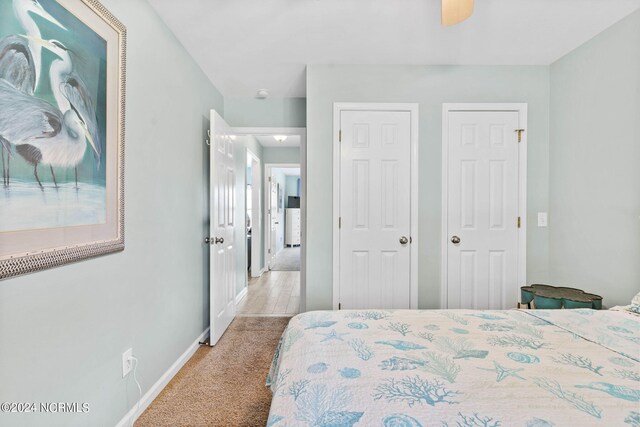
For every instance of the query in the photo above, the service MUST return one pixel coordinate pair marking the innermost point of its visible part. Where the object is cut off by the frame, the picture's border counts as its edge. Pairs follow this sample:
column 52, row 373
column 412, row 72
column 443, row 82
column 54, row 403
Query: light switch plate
column 542, row 219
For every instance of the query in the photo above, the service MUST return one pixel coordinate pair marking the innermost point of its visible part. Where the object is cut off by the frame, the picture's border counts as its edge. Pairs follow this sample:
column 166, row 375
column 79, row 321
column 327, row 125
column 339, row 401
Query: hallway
column 275, row 293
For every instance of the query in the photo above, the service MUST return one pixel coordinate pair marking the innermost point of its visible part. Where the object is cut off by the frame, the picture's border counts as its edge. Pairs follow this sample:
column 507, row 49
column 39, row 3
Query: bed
column 457, row 368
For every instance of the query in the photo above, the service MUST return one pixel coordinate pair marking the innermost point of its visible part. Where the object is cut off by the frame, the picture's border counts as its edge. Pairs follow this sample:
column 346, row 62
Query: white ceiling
column 245, row 45
column 270, row 141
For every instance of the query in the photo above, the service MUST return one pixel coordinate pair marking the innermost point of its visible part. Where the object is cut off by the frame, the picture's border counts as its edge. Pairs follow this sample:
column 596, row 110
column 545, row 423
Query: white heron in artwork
column 40, row 131
column 71, row 94
column 72, row 97
column 17, row 69
column 25, row 11
column 21, row 61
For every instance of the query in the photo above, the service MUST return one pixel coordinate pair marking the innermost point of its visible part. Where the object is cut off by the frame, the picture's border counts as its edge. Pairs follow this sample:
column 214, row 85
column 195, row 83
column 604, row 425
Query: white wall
column 594, row 220
column 63, row 331
column 430, row 86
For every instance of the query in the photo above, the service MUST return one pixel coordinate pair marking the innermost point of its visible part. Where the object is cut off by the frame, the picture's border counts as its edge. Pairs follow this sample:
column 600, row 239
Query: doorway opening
column 283, row 217
column 253, row 216
column 275, row 200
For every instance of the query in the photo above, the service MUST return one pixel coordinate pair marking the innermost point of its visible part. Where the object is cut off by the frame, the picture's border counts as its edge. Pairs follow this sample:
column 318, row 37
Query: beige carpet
column 222, row 385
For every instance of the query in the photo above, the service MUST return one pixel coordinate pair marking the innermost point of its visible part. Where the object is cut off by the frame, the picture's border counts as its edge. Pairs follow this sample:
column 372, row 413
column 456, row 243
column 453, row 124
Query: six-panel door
column 482, row 222
column 222, row 256
column 375, row 206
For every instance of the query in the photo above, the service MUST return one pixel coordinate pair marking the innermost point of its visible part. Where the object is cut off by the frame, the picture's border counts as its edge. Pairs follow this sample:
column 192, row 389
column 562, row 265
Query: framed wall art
column 62, row 106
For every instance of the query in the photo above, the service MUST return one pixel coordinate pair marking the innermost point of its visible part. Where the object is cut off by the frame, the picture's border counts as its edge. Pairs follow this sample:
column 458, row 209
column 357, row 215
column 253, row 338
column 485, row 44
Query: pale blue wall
column 289, row 155
column 63, row 331
column 270, row 112
column 291, row 187
column 430, row 86
column 594, row 220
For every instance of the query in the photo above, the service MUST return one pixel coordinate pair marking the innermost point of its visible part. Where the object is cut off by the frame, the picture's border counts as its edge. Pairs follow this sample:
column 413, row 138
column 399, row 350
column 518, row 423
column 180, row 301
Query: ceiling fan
column 456, row 11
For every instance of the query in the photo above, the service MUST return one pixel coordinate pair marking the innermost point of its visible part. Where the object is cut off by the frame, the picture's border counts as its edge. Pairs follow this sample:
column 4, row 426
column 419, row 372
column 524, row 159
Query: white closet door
column 375, row 206
column 482, row 223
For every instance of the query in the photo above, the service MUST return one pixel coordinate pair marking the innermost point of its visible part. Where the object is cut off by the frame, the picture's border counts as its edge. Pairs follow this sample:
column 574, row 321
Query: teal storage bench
column 555, row 297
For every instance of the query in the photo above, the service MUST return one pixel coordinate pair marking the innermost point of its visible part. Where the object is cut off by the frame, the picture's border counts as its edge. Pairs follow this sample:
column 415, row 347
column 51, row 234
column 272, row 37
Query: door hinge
column 340, row 135
column 519, row 134
column 269, row 179
column 339, row 306
column 518, row 222
column 268, row 251
column 340, row 222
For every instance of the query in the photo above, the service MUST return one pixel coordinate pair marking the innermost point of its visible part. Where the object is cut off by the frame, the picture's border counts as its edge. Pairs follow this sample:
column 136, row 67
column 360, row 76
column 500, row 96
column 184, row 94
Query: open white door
column 222, row 205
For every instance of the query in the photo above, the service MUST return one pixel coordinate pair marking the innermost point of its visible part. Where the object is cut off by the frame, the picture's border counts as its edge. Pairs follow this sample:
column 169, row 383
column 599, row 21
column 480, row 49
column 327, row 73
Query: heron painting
column 52, row 107
column 61, row 126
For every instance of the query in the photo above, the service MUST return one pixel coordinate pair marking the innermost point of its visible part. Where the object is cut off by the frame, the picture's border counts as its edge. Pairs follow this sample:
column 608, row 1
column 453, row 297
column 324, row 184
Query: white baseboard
column 155, row 389
column 259, row 273
column 242, row 294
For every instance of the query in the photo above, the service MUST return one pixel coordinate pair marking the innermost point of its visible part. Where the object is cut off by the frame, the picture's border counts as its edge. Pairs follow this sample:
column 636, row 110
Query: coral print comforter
column 458, row 368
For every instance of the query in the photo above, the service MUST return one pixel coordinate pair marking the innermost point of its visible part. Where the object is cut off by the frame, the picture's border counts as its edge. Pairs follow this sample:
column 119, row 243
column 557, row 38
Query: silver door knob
column 455, row 240
column 404, row 240
column 207, row 240
column 219, row 240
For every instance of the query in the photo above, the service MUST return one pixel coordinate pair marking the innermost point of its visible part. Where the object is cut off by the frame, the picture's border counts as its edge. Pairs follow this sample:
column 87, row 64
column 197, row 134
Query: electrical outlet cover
column 127, row 362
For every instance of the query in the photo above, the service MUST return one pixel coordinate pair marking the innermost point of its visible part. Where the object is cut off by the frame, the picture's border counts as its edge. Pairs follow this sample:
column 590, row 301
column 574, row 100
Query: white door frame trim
column 521, row 108
column 267, row 192
column 412, row 108
column 255, row 272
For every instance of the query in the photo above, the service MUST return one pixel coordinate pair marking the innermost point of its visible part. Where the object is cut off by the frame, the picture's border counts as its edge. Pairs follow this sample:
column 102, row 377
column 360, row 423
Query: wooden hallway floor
column 274, row 293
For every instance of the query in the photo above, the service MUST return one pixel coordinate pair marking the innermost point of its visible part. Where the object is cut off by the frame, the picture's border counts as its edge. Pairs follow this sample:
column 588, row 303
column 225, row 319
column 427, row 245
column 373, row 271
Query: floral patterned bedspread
column 457, row 368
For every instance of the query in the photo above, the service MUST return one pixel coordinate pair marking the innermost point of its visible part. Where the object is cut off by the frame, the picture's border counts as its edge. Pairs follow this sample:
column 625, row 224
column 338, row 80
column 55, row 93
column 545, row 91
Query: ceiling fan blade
column 456, row 11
